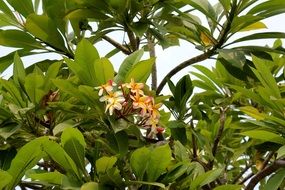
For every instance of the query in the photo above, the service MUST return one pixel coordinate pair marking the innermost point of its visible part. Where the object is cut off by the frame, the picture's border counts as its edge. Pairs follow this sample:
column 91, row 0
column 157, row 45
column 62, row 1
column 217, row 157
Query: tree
column 76, row 123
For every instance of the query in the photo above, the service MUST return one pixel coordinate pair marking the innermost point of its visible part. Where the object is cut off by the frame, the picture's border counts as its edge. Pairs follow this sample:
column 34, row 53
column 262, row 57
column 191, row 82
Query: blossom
column 154, row 109
column 135, row 87
column 113, row 100
column 141, row 102
column 108, row 87
column 152, row 122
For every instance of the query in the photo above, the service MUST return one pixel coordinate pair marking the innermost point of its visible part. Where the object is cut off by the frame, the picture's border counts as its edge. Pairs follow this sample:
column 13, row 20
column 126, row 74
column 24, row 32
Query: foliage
column 77, row 123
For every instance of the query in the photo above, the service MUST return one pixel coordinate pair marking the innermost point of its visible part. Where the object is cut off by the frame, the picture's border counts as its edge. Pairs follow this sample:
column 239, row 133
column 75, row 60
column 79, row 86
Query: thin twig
column 151, row 47
column 194, row 144
column 265, row 172
column 121, row 47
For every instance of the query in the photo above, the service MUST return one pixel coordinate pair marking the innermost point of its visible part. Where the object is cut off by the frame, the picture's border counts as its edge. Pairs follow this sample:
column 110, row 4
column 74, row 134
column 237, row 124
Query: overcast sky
column 168, row 58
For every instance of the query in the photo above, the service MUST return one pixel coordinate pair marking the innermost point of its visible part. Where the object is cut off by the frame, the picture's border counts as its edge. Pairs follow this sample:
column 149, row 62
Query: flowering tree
column 76, row 123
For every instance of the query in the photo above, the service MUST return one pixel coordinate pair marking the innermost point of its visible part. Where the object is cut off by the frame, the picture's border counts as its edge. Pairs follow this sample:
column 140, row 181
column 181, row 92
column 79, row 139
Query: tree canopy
column 78, row 123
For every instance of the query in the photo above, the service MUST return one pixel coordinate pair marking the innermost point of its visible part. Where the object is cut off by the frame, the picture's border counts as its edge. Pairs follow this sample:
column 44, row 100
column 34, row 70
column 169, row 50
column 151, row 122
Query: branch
column 265, row 172
column 236, row 179
column 221, row 40
column 117, row 45
column 151, row 48
column 183, row 65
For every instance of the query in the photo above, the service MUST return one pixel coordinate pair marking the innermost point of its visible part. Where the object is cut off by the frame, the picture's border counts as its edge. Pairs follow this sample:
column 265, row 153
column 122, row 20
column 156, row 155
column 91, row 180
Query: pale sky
column 168, row 58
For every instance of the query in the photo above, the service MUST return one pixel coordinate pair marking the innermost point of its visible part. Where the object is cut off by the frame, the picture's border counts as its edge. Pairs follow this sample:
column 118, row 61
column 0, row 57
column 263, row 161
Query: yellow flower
column 154, row 109
column 152, row 122
column 113, row 100
column 135, row 87
column 141, row 102
column 108, row 87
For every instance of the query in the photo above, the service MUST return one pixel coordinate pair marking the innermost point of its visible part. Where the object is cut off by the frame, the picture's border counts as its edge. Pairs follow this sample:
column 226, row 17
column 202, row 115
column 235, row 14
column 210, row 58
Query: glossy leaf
column 228, row 187
column 44, row 28
column 140, row 71
column 6, row 178
column 19, row 73
column 127, row 65
column 275, row 180
column 254, row 26
column 26, row 158
column 54, row 178
column 18, row 39
column 264, row 136
column 105, row 163
column 281, row 152
column 104, row 71
column 205, row 178
column 74, row 145
column 24, row 7
column 34, row 86
column 139, row 160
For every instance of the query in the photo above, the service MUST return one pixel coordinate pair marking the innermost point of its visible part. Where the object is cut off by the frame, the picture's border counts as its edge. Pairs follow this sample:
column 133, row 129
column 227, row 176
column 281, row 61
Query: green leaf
column 104, row 71
column 183, row 91
column 24, row 7
column 161, row 185
column 264, row 136
column 34, row 87
column 19, row 73
column 178, row 131
column 127, row 65
column 54, row 178
column 236, row 58
column 254, row 26
column 91, row 186
column 157, row 164
column 140, row 71
column 74, row 145
column 139, row 160
column 26, row 158
column 6, row 20
column 281, row 152
column 58, row 154
column 229, row 187
column 105, row 163
column 119, row 141
column 44, row 28
column 85, row 56
column 8, row 128
column 274, row 182
column 6, row 10
column 18, row 39
column 205, row 178
column 253, row 112
column 6, row 158
column 6, row 178
column 14, row 92
column 257, row 36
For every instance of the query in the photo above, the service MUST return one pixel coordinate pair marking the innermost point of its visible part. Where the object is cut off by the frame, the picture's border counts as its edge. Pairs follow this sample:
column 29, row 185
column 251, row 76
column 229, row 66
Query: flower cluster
column 129, row 99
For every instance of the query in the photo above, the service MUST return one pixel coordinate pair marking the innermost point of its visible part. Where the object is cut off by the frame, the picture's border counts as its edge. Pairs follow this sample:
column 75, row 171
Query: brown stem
column 121, row 47
column 221, row 40
column 265, row 172
column 132, row 38
column 219, row 135
column 151, row 48
column 194, row 144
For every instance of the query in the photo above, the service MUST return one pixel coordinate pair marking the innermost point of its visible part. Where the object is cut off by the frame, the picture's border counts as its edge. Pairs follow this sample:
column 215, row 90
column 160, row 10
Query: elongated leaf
column 265, row 136
column 58, row 154
column 25, row 7
column 105, row 163
column 6, row 178
column 91, row 186
column 205, row 178
column 157, row 164
column 5, row 9
column 19, row 73
column 45, row 29
column 54, row 178
column 104, row 71
column 254, row 26
column 275, row 180
column 161, row 185
column 26, row 158
column 140, row 71
column 6, row 158
column 34, row 86
column 127, row 65
column 281, row 152
column 85, row 57
column 74, row 144
column 139, row 160
column 19, row 39
column 228, row 187
column 257, row 36
column 268, row 8
column 8, row 128
column 14, row 92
